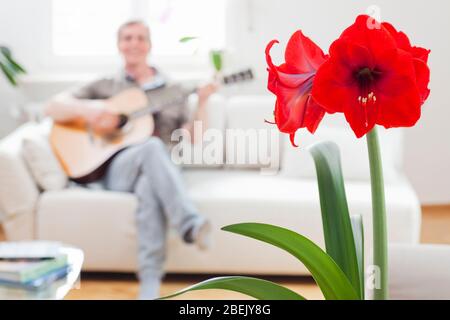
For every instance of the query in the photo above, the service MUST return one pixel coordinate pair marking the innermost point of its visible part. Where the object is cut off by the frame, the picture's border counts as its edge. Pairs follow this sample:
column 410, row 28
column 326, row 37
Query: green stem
column 380, row 258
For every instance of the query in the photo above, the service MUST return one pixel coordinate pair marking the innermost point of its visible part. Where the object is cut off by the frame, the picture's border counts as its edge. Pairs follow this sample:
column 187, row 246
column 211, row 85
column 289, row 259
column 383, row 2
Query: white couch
column 102, row 222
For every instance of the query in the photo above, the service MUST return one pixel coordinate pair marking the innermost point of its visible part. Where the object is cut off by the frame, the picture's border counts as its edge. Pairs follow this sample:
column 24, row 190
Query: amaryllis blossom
column 374, row 76
column 292, row 81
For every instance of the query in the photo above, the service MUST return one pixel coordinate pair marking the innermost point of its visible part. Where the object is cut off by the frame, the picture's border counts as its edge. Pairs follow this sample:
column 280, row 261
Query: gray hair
column 133, row 23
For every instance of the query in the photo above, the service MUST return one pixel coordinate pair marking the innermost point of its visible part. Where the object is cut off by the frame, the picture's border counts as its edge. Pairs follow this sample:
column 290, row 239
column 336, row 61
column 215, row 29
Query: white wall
column 24, row 26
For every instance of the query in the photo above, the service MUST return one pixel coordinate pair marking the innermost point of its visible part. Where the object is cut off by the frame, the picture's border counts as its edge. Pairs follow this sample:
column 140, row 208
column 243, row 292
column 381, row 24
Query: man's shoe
column 200, row 235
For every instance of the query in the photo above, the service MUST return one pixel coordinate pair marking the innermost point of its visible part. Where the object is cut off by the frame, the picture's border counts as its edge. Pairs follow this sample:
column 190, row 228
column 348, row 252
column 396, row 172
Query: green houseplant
column 10, row 68
column 216, row 56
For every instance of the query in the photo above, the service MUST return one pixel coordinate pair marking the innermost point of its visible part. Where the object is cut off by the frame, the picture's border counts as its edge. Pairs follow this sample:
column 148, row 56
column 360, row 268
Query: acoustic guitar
column 84, row 154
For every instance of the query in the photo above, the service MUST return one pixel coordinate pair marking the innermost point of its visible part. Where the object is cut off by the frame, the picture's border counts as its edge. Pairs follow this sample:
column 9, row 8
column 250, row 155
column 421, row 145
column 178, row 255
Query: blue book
column 24, row 270
column 41, row 282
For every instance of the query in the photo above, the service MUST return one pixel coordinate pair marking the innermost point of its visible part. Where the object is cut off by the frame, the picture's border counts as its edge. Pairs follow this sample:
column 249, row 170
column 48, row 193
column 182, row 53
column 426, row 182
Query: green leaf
column 9, row 66
column 7, row 59
column 5, row 51
column 337, row 227
column 8, row 73
column 327, row 274
column 216, row 57
column 253, row 287
column 358, row 234
column 14, row 65
column 187, row 39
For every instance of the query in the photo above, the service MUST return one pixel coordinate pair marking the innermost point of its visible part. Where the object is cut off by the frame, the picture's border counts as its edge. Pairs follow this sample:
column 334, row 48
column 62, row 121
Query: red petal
column 272, row 80
column 403, row 43
column 273, row 74
column 292, row 80
column 289, row 76
column 292, row 138
column 378, row 41
column 422, row 78
column 401, row 38
column 352, row 57
column 302, row 55
column 420, row 53
column 420, row 61
column 290, row 109
column 295, row 109
column 314, row 115
column 268, row 57
column 334, row 85
column 361, row 118
column 402, row 110
column 397, row 93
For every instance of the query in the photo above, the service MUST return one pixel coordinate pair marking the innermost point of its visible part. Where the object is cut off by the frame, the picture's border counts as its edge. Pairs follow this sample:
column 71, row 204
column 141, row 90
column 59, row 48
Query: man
column 145, row 169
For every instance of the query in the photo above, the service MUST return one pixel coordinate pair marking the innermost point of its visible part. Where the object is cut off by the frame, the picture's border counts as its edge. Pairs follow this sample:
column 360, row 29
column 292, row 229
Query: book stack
column 31, row 265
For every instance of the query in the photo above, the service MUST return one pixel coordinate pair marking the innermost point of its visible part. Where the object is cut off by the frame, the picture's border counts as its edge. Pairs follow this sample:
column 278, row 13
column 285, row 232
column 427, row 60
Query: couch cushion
column 250, row 141
column 297, row 162
column 43, row 164
column 18, row 191
column 102, row 223
column 208, row 151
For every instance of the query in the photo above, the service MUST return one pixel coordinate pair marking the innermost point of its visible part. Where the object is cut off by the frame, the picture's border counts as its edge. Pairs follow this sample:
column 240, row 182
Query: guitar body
column 84, row 155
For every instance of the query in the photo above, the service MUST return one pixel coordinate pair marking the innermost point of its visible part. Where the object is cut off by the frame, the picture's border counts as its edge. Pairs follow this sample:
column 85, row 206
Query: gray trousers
column 147, row 171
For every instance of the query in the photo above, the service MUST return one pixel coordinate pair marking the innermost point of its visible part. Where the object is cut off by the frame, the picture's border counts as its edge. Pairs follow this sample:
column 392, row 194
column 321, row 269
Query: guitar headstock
column 241, row 76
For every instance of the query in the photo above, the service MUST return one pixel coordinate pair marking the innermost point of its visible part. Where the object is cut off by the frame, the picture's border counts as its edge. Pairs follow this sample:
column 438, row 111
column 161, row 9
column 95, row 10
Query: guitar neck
column 177, row 95
column 152, row 109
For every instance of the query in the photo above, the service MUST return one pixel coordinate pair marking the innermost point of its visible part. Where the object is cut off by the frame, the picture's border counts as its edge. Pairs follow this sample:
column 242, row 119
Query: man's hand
column 205, row 92
column 104, row 121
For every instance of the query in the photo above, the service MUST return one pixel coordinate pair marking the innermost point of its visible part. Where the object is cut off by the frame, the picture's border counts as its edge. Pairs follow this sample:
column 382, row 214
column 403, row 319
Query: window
column 88, row 27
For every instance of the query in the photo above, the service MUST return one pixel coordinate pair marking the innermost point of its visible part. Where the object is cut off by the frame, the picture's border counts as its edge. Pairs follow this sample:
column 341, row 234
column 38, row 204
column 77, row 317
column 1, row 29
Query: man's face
column 134, row 44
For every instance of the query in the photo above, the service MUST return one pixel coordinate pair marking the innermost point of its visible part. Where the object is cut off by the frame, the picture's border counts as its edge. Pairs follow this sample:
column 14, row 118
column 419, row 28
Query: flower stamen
column 363, row 101
column 366, row 78
column 369, row 98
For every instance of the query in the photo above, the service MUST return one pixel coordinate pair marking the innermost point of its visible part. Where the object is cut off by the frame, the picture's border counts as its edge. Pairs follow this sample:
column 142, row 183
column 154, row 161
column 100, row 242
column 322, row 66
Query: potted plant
column 216, row 55
column 374, row 76
column 10, row 68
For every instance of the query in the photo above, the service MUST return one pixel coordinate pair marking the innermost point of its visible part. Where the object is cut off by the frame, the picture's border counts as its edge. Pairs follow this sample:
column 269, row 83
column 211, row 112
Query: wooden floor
column 436, row 224
column 95, row 286
column 435, row 229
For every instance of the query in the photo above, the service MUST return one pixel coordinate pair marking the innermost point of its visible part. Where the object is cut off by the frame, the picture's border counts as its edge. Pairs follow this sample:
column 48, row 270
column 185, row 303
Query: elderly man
column 145, row 169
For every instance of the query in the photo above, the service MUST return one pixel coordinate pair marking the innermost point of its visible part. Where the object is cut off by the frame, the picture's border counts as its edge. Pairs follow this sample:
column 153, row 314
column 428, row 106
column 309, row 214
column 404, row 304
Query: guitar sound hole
column 126, row 129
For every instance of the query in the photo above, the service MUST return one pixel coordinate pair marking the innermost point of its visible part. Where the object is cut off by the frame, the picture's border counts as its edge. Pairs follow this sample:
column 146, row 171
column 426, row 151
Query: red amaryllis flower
column 373, row 76
column 292, row 81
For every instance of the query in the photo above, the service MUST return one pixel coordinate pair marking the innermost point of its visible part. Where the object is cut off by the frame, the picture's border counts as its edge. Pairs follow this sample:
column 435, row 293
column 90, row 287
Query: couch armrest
column 19, row 227
column 18, row 191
